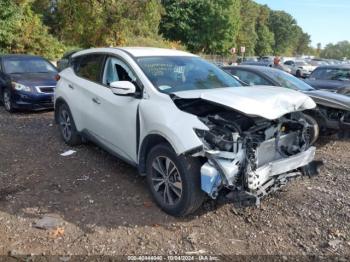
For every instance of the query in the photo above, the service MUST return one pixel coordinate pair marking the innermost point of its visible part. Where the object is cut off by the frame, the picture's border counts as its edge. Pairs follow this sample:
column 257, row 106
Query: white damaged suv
column 185, row 123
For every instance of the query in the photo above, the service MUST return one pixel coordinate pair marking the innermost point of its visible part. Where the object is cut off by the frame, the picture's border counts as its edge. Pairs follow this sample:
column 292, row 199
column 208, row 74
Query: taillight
column 57, row 77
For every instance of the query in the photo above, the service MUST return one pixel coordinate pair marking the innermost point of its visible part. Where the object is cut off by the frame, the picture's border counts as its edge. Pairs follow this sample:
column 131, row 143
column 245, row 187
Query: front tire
column 6, row 99
column 315, row 128
column 67, row 126
column 174, row 181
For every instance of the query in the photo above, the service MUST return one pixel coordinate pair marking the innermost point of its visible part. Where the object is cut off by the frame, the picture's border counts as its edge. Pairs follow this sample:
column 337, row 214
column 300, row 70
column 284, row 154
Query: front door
column 115, row 116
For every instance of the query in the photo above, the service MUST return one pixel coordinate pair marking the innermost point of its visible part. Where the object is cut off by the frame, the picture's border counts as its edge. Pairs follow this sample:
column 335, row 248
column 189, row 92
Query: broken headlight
column 216, row 139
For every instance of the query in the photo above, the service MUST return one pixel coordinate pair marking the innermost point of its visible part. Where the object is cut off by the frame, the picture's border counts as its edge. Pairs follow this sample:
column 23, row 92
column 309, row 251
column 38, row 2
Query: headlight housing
column 20, row 87
column 216, row 139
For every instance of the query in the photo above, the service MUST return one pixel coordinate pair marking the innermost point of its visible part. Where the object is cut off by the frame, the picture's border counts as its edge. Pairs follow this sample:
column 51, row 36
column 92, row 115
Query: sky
column 327, row 21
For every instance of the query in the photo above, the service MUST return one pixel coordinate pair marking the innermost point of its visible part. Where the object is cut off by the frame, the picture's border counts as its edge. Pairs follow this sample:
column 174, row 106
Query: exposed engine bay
column 250, row 154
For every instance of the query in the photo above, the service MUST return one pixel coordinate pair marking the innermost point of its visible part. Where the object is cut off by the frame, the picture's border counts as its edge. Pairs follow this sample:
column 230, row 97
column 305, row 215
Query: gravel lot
column 100, row 205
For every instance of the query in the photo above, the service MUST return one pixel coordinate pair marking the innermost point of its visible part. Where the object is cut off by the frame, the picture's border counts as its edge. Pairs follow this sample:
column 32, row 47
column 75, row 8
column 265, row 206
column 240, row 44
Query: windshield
column 173, row 74
column 21, row 65
column 286, row 80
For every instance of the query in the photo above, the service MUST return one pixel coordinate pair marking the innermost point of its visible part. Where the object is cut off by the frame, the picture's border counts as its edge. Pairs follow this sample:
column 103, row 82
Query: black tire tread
column 312, row 120
column 191, row 167
column 75, row 138
column 12, row 109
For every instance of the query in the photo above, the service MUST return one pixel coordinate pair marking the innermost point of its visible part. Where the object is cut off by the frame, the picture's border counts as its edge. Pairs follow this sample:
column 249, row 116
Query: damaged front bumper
column 218, row 173
column 260, row 176
column 254, row 156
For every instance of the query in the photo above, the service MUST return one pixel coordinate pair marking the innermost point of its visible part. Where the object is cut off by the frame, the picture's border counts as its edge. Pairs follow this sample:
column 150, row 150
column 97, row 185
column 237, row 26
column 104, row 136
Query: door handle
column 71, row 87
column 96, row 100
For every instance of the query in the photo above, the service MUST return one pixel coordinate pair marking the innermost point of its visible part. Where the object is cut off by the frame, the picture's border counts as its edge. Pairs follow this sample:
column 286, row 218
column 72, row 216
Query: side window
column 316, row 74
column 117, row 70
column 331, row 74
column 341, row 75
column 251, row 78
column 288, row 63
column 89, row 66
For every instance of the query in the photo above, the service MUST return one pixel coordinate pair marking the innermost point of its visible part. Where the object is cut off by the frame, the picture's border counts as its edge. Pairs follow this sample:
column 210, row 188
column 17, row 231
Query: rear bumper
column 26, row 101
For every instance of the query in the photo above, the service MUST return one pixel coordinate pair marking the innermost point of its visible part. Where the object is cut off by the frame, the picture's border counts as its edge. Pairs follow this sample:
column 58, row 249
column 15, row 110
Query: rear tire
column 67, row 126
column 315, row 128
column 174, row 181
column 7, row 101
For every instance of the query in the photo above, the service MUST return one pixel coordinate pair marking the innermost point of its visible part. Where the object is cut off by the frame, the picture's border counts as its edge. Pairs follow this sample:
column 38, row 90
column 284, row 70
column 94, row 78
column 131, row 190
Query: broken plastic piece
column 68, row 153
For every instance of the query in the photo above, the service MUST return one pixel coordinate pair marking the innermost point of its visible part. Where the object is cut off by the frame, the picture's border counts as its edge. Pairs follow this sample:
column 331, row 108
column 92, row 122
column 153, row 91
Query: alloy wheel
column 166, row 180
column 65, row 124
column 7, row 100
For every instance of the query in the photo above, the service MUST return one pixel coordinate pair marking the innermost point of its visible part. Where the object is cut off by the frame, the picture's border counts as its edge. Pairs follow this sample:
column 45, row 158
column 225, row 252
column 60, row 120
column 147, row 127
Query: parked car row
column 329, row 75
column 194, row 130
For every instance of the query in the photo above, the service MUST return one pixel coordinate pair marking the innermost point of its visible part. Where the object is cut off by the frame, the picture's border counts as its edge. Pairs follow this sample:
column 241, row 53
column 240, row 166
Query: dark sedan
column 26, row 82
column 334, row 78
column 333, row 110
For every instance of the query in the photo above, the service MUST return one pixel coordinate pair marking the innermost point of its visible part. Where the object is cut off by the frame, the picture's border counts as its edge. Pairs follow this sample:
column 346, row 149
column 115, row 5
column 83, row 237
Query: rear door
column 83, row 85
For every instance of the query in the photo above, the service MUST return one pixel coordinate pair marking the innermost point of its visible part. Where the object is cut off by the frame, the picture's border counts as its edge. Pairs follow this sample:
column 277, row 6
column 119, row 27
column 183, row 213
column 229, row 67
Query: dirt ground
column 102, row 206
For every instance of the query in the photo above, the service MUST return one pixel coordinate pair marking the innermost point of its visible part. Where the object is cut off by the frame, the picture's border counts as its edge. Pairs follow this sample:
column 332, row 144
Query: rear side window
column 89, row 66
column 340, row 74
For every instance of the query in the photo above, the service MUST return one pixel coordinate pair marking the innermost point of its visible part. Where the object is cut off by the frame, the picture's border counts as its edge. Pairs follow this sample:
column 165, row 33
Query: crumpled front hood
column 264, row 101
column 330, row 99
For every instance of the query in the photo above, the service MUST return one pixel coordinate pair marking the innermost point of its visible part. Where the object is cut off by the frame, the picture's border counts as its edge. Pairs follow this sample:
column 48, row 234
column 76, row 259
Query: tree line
column 50, row 27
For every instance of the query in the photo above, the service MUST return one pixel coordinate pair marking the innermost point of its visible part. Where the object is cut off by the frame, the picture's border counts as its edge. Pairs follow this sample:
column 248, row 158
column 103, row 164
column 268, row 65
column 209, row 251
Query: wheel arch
column 147, row 144
column 59, row 101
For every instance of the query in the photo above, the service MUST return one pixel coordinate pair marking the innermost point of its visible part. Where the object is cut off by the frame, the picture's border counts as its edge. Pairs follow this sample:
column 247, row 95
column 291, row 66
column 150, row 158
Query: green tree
column 89, row 23
column 284, row 28
column 22, row 31
column 247, row 35
column 266, row 39
column 9, row 22
column 337, row 51
column 303, row 40
column 207, row 26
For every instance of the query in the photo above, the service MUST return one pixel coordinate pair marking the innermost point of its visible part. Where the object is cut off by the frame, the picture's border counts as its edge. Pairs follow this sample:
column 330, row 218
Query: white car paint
column 137, row 51
column 265, row 101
